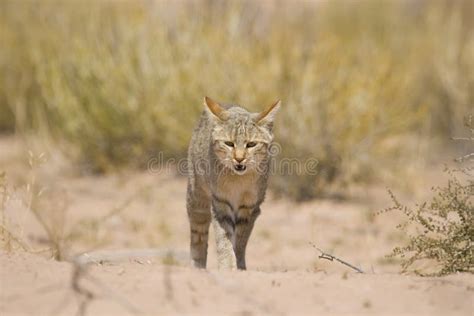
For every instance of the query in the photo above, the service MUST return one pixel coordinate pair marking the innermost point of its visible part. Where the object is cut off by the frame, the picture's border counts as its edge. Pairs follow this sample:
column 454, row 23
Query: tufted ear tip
column 268, row 115
column 215, row 108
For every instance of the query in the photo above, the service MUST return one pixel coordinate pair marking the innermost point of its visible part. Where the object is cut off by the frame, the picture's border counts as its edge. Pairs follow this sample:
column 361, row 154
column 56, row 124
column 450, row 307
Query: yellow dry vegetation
column 363, row 83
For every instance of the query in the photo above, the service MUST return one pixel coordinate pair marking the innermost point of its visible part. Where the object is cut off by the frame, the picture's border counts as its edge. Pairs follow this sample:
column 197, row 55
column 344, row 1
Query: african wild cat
column 229, row 162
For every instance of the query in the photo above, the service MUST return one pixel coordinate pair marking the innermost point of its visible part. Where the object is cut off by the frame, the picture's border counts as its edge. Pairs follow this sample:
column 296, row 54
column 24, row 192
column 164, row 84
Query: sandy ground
column 134, row 230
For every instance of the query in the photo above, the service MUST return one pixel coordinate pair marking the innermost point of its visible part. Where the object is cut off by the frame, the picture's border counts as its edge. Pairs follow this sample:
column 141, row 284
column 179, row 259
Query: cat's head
column 241, row 139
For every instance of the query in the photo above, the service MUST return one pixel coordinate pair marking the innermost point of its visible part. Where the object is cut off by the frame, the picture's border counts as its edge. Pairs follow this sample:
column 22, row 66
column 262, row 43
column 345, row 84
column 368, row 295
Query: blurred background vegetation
column 372, row 89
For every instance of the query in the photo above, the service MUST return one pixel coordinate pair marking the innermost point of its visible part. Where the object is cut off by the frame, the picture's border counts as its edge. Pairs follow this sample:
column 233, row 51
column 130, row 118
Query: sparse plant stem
column 5, row 231
column 325, row 255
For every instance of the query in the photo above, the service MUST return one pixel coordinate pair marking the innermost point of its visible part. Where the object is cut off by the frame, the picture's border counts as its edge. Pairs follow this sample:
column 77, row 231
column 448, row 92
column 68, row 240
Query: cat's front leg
column 224, row 229
column 243, row 228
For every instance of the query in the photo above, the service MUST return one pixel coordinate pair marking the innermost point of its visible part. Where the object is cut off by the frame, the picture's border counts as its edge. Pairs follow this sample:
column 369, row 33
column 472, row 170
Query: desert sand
column 132, row 229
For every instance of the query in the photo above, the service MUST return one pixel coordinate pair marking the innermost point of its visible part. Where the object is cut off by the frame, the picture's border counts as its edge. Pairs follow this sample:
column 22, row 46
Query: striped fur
column 228, row 164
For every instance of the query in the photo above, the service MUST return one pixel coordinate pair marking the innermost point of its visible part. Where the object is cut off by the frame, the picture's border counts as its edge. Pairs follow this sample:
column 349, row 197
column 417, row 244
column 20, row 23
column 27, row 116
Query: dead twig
column 329, row 257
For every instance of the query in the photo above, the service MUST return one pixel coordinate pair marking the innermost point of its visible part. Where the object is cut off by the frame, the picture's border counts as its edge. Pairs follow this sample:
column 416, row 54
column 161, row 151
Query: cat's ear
column 267, row 116
column 215, row 109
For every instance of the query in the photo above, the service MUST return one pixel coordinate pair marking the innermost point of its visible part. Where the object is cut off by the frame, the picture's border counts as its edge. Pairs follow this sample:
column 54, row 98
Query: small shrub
column 443, row 227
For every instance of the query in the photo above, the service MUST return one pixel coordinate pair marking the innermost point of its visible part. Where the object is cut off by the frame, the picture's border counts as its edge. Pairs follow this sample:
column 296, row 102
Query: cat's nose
column 239, row 159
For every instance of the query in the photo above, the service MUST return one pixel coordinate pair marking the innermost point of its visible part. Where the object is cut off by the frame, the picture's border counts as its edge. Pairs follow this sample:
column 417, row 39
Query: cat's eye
column 251, row 144
column 230, row 144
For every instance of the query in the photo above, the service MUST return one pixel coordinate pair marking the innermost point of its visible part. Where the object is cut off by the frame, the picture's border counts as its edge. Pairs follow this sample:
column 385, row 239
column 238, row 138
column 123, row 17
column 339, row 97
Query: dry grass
column 46, row 205
column 39, row 212
column 116, row 83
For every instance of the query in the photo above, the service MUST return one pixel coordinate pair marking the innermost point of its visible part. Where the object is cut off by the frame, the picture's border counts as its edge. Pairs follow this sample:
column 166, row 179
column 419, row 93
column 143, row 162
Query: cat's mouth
column 240, row 168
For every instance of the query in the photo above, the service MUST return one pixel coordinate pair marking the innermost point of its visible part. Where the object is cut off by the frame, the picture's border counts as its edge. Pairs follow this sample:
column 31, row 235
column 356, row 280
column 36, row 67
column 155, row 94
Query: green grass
column 120, row 81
